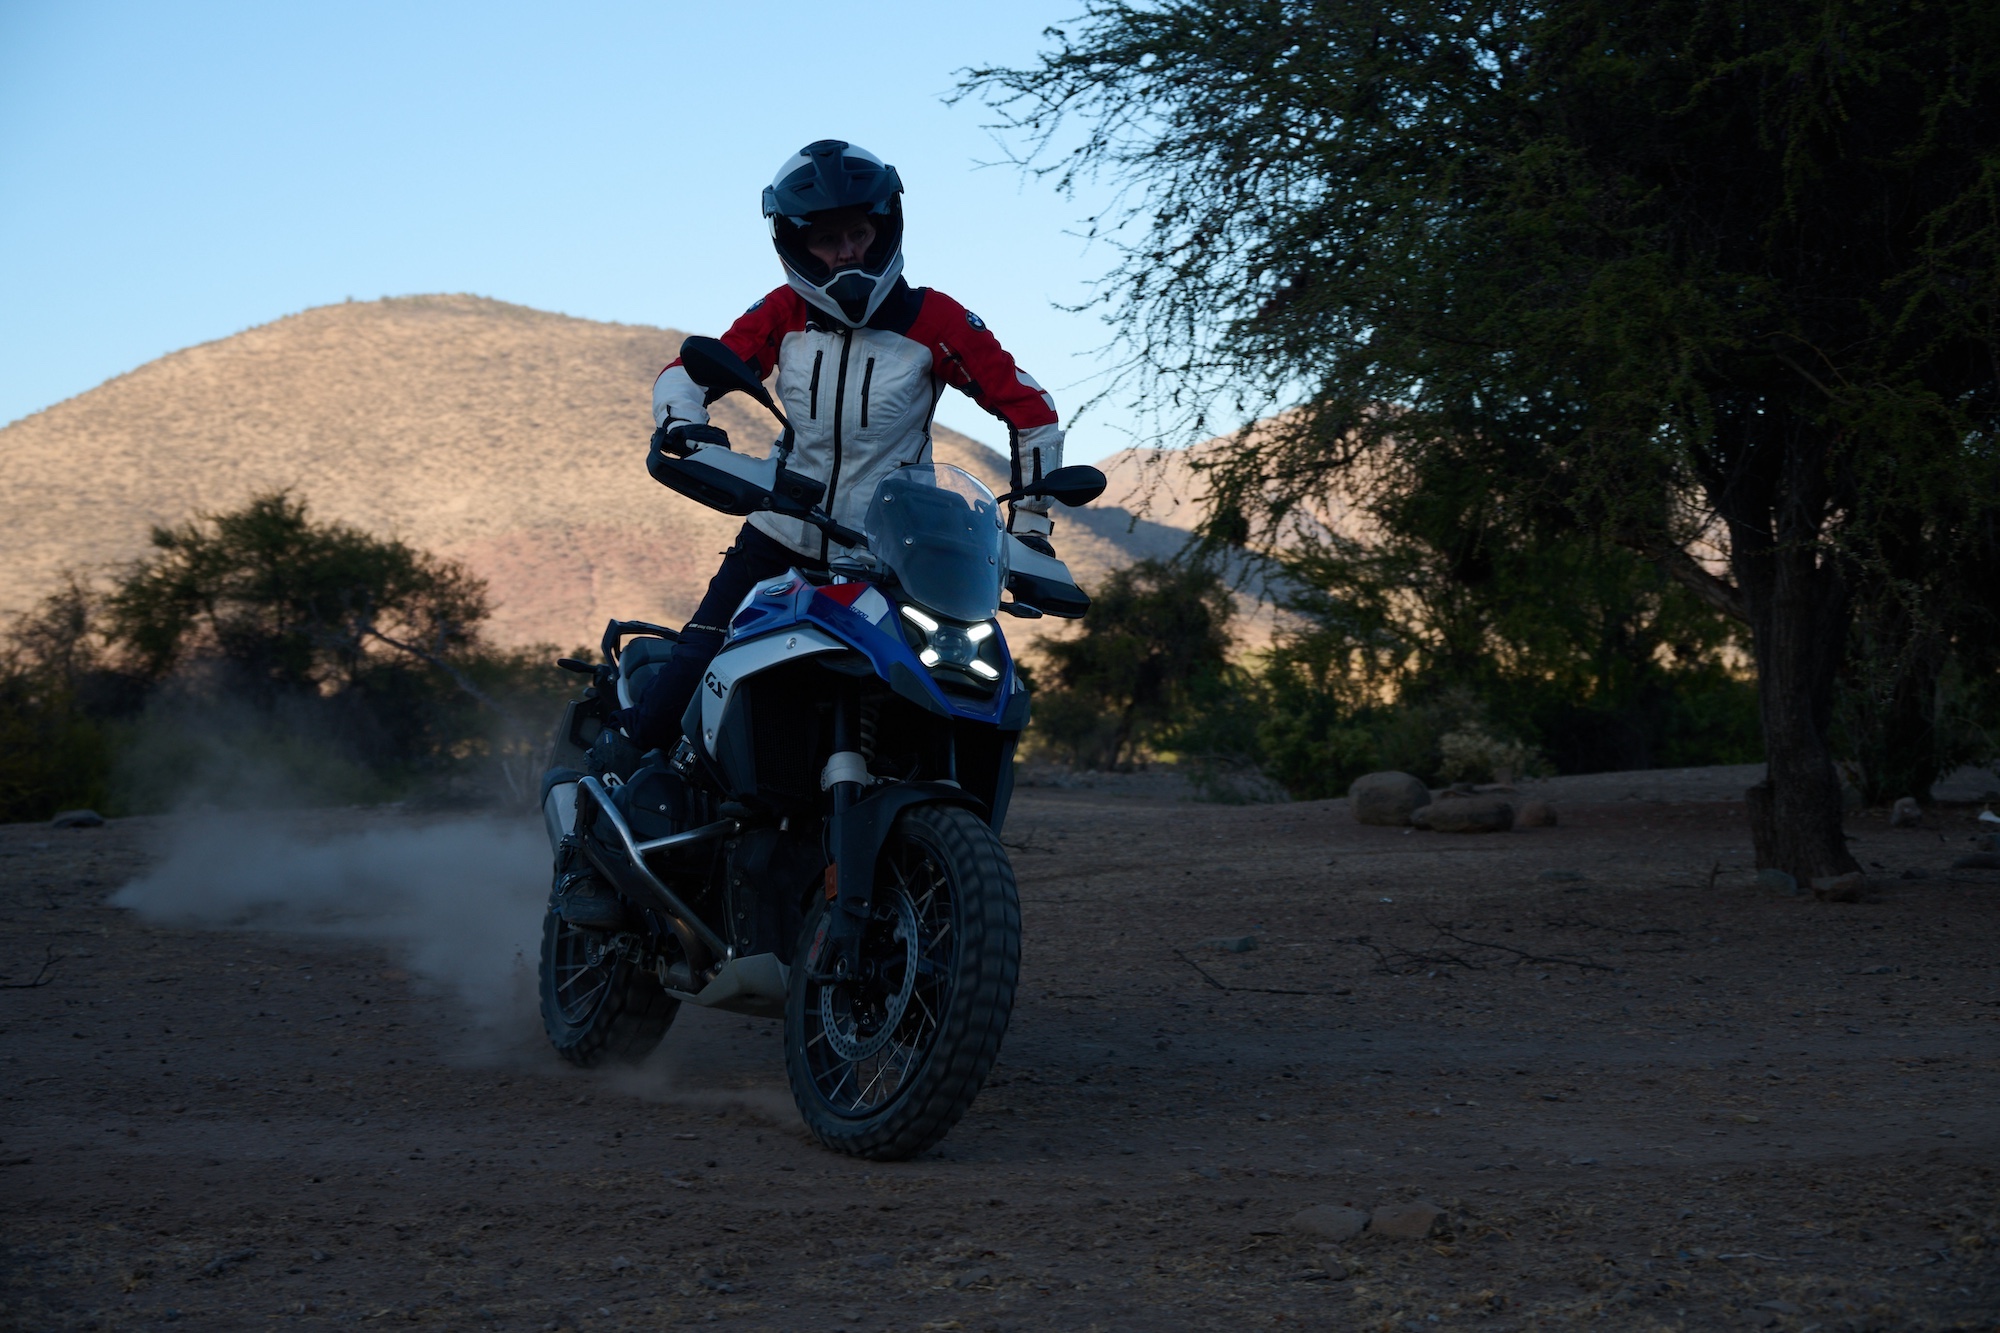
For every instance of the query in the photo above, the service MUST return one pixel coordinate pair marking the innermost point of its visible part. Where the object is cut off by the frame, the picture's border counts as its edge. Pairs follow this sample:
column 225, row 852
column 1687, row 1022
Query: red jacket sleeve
column 756, row 336
column 966, row 355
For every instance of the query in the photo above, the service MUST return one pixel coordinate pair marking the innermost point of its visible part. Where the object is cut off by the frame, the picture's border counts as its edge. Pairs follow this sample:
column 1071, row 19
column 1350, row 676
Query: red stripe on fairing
column 847, row 594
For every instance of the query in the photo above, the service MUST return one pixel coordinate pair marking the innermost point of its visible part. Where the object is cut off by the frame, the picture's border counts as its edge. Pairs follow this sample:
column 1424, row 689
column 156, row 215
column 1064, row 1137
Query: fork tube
column 855, row 882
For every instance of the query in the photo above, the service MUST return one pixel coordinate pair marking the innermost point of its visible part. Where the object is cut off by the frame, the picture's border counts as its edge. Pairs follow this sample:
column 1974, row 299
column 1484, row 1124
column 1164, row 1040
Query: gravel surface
column 298, row 1083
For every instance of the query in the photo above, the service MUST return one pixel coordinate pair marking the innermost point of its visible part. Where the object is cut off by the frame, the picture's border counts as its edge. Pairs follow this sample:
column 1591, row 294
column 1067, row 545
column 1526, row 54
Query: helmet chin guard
column 822, row 177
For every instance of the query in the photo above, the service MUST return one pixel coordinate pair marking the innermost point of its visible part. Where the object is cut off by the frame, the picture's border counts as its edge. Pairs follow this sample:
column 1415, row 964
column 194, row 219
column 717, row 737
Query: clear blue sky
column 174, row 173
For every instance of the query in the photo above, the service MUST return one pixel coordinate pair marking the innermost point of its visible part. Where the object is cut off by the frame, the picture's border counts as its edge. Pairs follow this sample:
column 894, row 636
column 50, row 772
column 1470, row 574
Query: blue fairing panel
column 782, row 602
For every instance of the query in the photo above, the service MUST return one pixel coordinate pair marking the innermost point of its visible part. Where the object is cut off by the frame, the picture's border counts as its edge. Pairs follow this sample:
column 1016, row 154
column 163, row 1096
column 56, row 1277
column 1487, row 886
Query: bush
column 259, row 656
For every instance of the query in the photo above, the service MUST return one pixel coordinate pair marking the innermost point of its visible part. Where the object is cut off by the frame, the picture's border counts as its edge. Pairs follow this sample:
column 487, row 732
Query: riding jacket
column 861, row 400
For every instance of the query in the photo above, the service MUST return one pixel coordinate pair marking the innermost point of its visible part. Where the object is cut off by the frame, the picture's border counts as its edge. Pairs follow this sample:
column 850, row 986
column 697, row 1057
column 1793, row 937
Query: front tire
column 884, row 1066
column 597, row 1005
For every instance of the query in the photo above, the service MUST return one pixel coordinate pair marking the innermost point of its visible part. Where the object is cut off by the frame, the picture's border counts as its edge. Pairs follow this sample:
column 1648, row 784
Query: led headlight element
column 952, row 647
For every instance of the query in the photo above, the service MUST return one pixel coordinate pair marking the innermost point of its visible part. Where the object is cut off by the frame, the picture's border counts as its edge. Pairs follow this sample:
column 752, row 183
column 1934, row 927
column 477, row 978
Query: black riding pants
column 754, row 558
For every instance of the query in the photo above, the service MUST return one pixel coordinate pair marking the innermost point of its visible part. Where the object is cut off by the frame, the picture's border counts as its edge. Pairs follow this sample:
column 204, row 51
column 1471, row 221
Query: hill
column 510, row 438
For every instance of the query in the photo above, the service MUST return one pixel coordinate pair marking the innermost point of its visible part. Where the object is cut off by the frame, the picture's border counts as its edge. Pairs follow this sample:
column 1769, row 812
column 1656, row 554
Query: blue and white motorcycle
column 823, row 845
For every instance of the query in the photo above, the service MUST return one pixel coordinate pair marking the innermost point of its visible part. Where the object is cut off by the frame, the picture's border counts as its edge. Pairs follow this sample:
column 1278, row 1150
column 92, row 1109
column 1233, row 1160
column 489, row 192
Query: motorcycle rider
column 862, row 358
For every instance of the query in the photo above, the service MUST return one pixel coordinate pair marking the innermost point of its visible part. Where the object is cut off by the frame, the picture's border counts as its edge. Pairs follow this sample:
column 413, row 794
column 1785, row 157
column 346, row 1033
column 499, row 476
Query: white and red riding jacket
column 860, row 400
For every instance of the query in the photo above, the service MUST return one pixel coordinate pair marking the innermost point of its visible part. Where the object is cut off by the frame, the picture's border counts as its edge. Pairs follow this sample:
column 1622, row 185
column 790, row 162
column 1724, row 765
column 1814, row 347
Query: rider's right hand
column 680, row 437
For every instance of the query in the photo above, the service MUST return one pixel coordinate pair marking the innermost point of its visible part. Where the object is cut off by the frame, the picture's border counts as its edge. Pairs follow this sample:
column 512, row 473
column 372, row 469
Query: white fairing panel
column 740, row 661
column 1029, row 561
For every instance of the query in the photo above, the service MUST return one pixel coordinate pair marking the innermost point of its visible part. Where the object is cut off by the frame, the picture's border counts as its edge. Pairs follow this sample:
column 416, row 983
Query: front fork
column 850, row 879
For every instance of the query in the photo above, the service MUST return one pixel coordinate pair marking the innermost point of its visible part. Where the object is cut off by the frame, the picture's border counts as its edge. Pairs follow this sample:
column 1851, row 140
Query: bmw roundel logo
column 974, row 320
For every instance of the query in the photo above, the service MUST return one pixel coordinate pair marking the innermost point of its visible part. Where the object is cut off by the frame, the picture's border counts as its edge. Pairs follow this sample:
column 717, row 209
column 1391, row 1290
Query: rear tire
column 884, row 1068
column 602, row 1011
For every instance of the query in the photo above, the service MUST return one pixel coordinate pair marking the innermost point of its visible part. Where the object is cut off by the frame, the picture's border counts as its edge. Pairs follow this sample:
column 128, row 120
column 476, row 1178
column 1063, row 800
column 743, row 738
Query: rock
column 1840, row 888
column 1407, row 1221
column 1777, row 881
column 1234, row 943
column 1560, row 876
column 1978, row 861
column 1906, row 813
column 77, row 819
column 1535, row 814
column 1781, row 1307
column 1330, row 1222
column 1386, row 798
column 1472, row 814
column 1421, row 816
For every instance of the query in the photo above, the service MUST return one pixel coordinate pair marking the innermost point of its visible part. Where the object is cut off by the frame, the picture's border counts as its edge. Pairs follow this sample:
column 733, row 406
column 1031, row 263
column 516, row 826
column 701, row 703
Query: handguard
column 1041, row 581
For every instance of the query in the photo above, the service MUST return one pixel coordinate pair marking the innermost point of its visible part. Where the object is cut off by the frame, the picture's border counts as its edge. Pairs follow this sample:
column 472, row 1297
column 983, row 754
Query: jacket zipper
column 839, row 408
column 812, row 390
column 867, row 374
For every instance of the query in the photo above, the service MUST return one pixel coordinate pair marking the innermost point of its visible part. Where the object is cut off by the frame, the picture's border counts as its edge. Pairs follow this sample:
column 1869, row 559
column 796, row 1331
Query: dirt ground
column 1646, row 1092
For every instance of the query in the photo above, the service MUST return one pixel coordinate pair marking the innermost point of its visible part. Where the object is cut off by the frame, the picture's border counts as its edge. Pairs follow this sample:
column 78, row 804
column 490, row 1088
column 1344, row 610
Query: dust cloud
column 460, row 900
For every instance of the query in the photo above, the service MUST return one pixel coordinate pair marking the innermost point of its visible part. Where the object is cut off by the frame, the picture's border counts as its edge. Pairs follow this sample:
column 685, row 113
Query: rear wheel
column 597, row 1005
column 884, row 1065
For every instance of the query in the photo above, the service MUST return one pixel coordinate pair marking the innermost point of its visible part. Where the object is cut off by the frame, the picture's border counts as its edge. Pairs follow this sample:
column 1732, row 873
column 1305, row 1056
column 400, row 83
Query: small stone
column 1235, row 943
column 77, row 819
column 1330, row 1222
column 1906, row 813
column 1777, row 881
column 1978, row 861
column 1560, row 876
column 871, row 1261
column 620, row 1264
column 1407, row 1221
column 1535, row 814
column 1782, row 1307
column 1472, row 814
column 1846, row 888
column 1386, row 798
column 1421, row 817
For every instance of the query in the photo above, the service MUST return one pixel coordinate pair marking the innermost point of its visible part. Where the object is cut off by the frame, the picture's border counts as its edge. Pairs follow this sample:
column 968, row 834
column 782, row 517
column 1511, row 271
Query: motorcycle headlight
column 972, row 650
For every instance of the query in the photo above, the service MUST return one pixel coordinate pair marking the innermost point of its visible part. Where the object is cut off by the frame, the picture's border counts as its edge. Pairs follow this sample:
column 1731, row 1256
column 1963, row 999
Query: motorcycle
column 822, row 846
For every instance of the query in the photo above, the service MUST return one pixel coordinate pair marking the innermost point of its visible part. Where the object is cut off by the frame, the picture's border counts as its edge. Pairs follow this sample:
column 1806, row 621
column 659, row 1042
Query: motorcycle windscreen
column 939, row 530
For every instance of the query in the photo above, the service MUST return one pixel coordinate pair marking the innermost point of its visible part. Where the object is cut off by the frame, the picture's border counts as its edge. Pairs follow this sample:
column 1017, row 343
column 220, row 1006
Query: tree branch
column 1684, row 569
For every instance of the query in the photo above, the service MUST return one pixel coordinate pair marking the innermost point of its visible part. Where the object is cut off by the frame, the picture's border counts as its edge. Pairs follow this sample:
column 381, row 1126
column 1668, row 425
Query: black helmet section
column 820, row 178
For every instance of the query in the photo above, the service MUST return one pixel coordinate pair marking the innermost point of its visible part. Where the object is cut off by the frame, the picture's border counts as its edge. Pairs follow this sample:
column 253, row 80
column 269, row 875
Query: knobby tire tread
column 988, row 970
column 627, row 1024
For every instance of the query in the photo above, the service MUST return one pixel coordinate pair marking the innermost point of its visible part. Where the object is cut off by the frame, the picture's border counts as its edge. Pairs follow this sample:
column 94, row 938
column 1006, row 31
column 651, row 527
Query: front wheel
column 884, row 1065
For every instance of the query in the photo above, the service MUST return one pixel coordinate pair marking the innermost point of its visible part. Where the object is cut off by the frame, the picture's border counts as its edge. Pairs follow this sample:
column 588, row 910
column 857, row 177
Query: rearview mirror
column 1076, row 485
column 710, row 363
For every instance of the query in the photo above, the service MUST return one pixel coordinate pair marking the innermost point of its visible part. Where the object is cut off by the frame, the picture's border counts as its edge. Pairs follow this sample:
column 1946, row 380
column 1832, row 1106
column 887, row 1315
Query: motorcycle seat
column 640, row 660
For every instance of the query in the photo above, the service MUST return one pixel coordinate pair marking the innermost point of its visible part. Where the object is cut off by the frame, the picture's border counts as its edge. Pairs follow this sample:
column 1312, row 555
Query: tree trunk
column 1798, row 607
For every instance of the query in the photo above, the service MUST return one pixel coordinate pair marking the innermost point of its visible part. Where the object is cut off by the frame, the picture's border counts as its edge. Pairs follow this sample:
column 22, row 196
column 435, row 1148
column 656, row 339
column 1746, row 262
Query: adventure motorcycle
column 822, row 845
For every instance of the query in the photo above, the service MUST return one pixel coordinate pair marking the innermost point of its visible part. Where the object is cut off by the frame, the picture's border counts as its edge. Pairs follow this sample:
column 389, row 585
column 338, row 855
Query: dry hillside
column 511, row 438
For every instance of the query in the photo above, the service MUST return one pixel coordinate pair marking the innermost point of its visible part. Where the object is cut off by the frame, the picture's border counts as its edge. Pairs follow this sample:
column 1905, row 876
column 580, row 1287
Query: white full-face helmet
column 823, row 177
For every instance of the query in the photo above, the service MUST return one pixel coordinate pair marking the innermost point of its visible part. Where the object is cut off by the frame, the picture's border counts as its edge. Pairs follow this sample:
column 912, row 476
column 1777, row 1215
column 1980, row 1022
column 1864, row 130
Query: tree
column 1157, row 633
column 294, row 605
column 1690, row 271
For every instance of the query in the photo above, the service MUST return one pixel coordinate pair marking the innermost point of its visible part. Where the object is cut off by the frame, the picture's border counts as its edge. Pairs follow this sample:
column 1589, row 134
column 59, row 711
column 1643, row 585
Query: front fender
column 860, row 831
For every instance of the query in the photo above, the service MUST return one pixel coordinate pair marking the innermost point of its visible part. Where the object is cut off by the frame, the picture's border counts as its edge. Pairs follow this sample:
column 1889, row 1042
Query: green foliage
column 57, row 700
column 1677, row 274
column 1156, row 639
column 290, row 603
column 259, row 656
